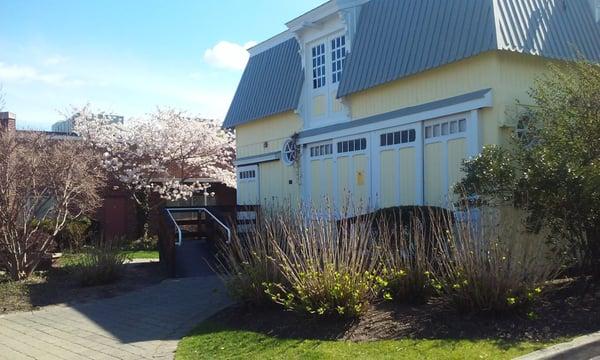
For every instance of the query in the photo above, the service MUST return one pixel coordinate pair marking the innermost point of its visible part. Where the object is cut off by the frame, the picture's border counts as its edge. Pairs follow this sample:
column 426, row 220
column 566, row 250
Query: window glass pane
column 338, row 54
column 412, row 135
column 339, row 147
column 351, row 146
column 436, row 130
column 390, row 138
column 397, row 137
column 445, row 129
column 363, row 143
column 345, row 146
column 428, row 132
column 382, row 139
column 318, row 62
column 404, row 136
column 462, row 125
column 453, row 126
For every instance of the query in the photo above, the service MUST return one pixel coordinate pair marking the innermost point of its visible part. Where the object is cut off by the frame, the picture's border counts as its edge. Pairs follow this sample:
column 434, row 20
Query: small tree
column 552, row 168
column 165, row 153
column 42, row 181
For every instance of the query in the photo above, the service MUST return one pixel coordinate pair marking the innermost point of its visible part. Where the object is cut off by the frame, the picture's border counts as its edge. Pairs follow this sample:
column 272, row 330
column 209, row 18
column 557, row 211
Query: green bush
column 552, row 167
column 101, row 264
column 73, row 235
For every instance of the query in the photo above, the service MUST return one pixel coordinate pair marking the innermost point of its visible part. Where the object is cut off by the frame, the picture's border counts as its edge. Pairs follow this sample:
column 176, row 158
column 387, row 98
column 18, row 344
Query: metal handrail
column 199, row 210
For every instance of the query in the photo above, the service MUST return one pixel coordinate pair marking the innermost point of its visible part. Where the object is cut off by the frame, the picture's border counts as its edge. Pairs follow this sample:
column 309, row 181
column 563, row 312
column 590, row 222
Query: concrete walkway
column 146, row 324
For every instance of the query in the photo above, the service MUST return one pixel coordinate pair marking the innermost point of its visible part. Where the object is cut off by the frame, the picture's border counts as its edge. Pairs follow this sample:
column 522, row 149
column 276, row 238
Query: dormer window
column 338, row 55
column 318, row 62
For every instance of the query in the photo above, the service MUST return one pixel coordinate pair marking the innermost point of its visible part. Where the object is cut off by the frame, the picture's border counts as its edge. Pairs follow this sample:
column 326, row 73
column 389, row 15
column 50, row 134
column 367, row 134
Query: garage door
column 320, row 181
column 397, row 169
column 247, row 185
column 353, row 174
column 445, row 149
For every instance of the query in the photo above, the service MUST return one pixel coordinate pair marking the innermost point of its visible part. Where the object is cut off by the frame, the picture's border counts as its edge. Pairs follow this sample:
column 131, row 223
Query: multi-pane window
column 321, row 150
column 318, row 62
column 338, row 55
column 247, row 174
column 446, row 128
column 398, row 137
column 351, row 145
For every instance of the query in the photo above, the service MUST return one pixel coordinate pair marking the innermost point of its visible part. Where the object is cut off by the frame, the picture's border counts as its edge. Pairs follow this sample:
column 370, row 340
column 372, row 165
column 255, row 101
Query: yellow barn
column 376, row 103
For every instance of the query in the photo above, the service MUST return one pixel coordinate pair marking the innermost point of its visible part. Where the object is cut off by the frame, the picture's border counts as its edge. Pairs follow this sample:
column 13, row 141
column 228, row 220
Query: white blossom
column 166, row 152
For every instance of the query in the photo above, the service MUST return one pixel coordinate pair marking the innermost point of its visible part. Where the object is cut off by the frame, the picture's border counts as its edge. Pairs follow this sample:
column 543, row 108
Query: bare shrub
column 405, row 257
column 490, row 261
column 42, row 181
column 247, row 263
column 330, row 266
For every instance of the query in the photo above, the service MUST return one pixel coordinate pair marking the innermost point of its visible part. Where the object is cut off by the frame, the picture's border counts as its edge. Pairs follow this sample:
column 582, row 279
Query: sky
column 130, row 57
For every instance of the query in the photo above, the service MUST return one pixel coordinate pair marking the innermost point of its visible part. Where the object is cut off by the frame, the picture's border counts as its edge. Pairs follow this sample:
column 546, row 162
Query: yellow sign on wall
column 360, row 178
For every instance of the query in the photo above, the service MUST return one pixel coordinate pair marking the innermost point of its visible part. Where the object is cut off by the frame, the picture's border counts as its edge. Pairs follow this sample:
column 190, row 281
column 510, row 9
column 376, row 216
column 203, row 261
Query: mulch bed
column 561, row 313
column 58, row 286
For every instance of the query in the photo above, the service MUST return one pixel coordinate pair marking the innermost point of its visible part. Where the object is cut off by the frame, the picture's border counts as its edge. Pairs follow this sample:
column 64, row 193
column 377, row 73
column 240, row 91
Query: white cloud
column 29, row 73
column 55, row 60
column 228, row 55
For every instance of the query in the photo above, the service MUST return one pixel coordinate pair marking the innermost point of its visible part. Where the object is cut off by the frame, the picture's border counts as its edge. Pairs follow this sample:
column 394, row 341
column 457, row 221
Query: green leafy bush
column 552, row 167
column 490, row 262
column 101, row 264
column 74, row 234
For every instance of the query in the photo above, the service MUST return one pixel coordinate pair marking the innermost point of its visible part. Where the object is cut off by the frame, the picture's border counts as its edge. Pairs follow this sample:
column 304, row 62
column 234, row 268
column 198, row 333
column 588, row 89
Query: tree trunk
column 142, row 212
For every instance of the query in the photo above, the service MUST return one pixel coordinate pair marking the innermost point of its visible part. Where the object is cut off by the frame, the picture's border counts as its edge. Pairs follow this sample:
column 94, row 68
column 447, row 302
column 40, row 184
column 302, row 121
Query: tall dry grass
column 490, row 262
column 405, row 257
column 247, row 263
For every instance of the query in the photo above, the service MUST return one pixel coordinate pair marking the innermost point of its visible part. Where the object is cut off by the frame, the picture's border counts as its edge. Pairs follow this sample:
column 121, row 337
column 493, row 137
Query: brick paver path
column 146, row 324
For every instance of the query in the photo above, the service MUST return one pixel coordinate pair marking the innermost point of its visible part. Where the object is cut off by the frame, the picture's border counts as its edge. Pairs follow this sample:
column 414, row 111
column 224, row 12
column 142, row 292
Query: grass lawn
column 72, row 259
column 142, row 254
column 214, row 341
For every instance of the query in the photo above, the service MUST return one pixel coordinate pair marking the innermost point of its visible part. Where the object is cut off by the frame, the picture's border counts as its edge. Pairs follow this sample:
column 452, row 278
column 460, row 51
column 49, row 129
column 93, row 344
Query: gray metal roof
column 398, row 38
column 558, row 29
column 271, row 84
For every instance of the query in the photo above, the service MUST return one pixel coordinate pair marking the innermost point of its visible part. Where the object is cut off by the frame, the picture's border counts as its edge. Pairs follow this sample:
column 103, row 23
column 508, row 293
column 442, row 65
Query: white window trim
column 353, row 152
column 241, row 169
column 330, row 117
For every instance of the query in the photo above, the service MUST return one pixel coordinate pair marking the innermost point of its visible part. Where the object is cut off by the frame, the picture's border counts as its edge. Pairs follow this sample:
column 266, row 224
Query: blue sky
column 128, row 57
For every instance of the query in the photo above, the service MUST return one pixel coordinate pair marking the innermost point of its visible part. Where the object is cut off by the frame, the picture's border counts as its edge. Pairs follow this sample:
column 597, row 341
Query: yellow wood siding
column 433, row 174
column 510, row 75
column 408, row 176
column 457, row 152
column 275, row 188
column 362, row 180
column 247, row 193
column 389, row 179
column 344, row 178
column 273, row 130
